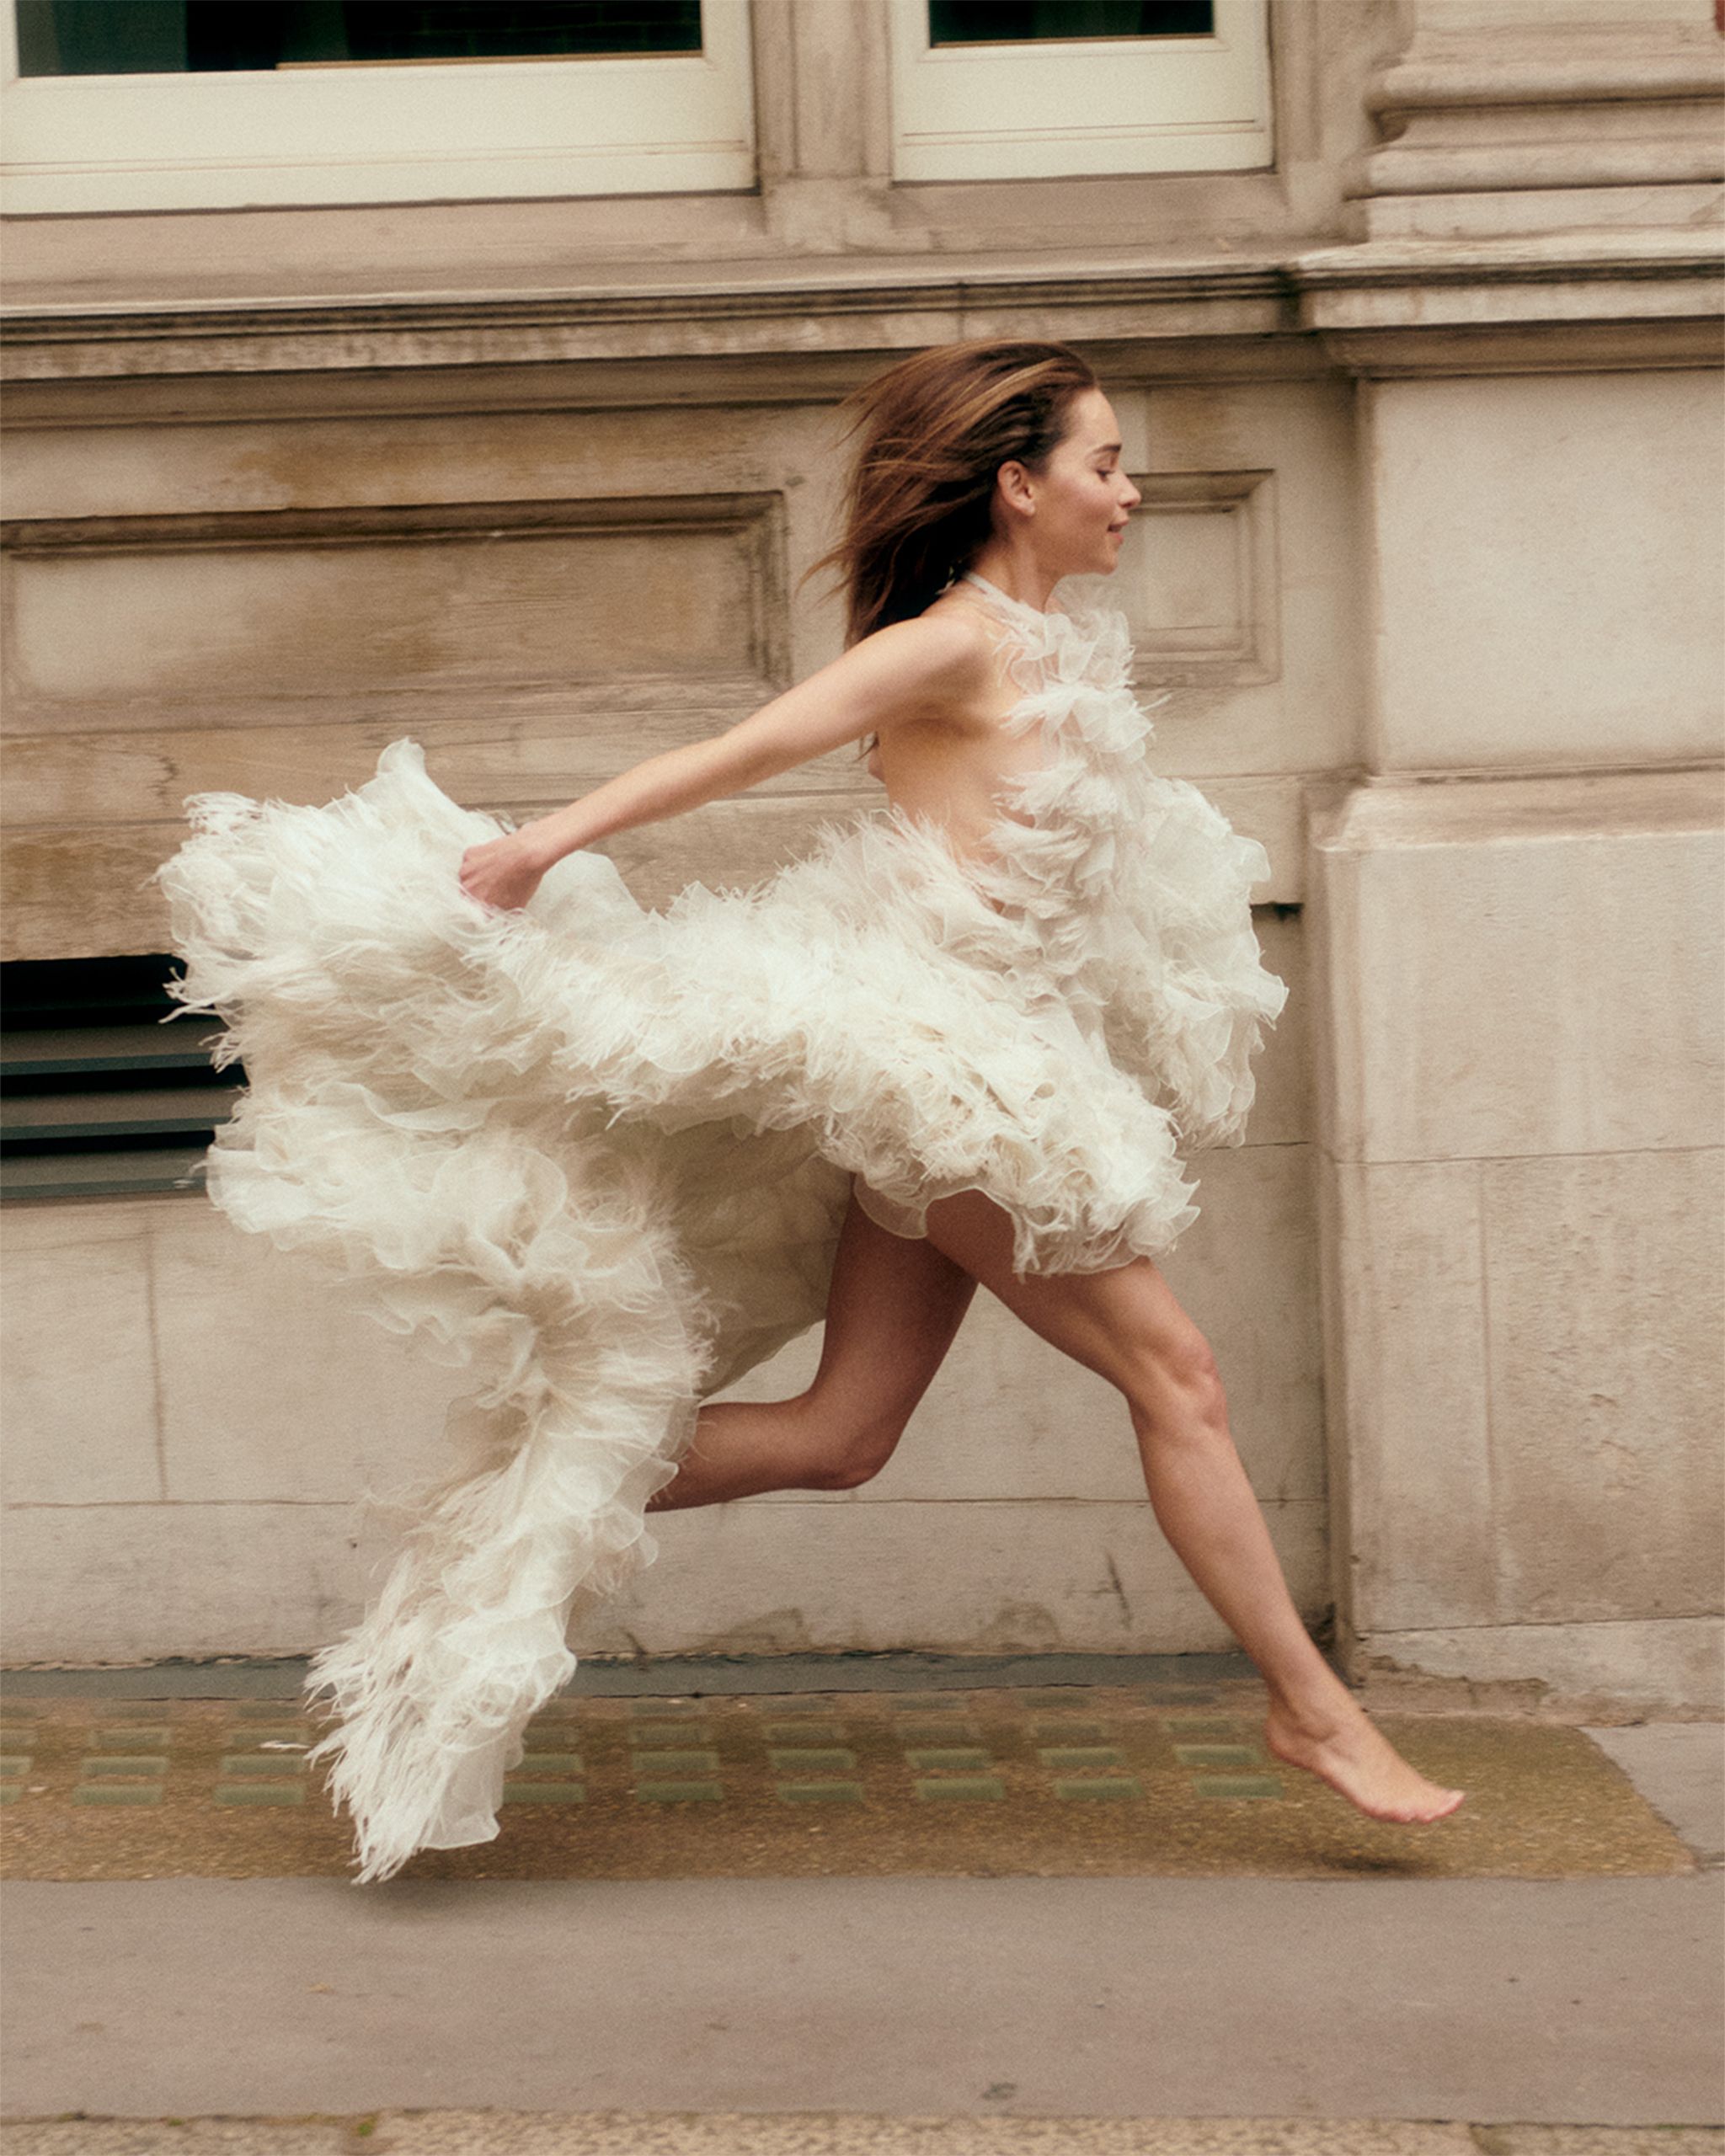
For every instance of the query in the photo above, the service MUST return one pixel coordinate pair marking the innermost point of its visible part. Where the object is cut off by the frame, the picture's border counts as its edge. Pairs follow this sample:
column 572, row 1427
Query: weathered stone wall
column 540, row 600
column 1423, row 417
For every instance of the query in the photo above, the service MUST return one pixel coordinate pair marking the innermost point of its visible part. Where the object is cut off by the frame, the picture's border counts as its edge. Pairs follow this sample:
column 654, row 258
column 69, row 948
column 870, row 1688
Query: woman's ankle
column 1313, row 1705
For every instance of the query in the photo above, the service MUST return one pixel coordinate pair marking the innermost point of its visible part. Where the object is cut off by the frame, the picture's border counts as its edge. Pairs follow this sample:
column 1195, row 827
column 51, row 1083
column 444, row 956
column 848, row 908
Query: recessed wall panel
column 120, row 621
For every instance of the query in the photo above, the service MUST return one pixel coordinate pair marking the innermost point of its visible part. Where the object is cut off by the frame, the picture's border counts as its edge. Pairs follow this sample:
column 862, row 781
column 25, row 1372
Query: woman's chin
column 1104, row 562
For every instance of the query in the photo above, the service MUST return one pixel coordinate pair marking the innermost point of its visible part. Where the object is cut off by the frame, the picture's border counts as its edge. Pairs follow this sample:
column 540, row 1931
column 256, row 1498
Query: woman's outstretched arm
column 897, row 675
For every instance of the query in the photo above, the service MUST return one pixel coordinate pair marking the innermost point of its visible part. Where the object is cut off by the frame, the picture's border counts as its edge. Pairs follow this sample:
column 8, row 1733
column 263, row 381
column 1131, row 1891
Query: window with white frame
column 1030, row 89
column 177, row 105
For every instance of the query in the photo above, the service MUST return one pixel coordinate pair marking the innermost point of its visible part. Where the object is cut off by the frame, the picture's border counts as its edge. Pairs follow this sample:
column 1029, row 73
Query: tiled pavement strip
column 1058, row 1781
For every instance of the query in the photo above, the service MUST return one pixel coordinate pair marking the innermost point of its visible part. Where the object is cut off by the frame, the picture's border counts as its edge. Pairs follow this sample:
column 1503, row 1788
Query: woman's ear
column 1012, row 485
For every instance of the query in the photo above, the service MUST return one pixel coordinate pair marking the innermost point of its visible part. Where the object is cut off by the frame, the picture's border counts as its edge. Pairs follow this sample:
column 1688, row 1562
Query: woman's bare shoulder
column 947, row 648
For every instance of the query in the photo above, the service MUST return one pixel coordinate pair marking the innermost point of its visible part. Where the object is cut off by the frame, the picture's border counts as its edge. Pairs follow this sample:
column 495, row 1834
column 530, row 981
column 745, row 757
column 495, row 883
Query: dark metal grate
column 97, row 1097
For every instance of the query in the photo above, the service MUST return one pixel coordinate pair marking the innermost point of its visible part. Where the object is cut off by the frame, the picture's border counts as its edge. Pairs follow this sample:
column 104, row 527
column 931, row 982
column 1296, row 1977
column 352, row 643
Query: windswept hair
column 935, row 430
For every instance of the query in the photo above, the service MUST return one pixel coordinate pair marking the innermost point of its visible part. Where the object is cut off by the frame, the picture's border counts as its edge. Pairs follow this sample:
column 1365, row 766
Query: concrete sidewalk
column 617, row 2133
column 841, row 2016
column 1595, row 2001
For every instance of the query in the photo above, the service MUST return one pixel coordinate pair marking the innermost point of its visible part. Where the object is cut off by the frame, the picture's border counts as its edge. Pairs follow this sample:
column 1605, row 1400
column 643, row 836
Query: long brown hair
column 935, row 430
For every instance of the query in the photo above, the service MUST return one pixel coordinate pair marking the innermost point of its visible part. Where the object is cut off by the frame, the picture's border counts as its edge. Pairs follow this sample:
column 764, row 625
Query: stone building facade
column 1415, row 343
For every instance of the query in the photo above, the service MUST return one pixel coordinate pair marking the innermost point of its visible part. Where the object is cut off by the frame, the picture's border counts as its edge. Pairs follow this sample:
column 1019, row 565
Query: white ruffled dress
column 598, row 1156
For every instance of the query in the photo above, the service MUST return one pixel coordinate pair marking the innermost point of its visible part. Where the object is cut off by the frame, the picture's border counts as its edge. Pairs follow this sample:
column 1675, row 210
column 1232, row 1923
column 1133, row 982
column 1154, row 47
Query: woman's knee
column 845, row 1454
column 1173, row 1385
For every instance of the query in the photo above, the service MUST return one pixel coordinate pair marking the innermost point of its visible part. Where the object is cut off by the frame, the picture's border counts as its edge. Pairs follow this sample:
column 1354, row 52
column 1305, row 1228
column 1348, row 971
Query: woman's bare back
column 950, row 766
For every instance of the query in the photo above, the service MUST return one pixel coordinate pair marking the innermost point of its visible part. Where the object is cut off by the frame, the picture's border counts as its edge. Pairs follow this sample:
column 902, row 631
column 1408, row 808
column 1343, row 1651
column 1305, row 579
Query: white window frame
column 1057, row 108
column 455, row 130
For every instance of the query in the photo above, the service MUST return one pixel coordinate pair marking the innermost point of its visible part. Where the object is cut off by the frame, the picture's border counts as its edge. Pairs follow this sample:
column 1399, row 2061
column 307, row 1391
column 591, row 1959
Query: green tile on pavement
column 678, row 1792
column 804, row 1732
column 10, row 1792
column 659, row 1764
column 117, row 1793
column 261, row 1792
column 961, row 1789
column 131, row 1738
column 811, row 1759
column 1217, row 1755
column 139, row 1762
column 549, row 1762
column 14, row 1763
column 1103, row 1785
column 272, row 1766
column 960, row 1756
column 820, row 1792
column 931, row 1732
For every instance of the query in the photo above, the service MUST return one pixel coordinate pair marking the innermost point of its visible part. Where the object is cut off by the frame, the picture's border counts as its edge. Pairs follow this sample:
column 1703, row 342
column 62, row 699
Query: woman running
column 611, row 1159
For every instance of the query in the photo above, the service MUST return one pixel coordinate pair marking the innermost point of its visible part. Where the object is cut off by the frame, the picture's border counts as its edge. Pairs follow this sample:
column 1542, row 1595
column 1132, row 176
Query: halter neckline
column 1005, row 598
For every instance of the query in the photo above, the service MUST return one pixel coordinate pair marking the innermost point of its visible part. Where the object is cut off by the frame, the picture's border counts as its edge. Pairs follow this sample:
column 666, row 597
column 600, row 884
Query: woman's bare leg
column 893, row 1309
column 1125, row 1325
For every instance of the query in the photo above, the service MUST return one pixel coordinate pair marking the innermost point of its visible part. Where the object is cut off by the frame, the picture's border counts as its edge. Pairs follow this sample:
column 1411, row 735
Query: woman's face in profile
column 1082, row 498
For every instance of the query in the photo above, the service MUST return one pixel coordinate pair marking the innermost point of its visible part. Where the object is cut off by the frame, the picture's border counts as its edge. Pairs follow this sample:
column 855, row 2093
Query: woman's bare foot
column 1360, row 1763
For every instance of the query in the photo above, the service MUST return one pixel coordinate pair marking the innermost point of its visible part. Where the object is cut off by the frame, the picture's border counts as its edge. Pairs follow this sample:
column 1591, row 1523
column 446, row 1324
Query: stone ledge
column 1369, row 816
column 755, row 307
column 1433, row 80
column 1435, row 167
column 1552, row 303
column 1660, row 1665
column 1630, row 296
column 1610, row 257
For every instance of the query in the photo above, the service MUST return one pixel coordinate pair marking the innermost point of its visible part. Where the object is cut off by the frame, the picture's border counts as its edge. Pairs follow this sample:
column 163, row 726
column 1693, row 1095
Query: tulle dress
column 597, row 1156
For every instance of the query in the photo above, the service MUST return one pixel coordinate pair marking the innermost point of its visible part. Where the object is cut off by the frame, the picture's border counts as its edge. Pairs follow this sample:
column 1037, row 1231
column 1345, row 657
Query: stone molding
column 1463, row 77
column 1536, row 125
column 1364, row 813
column 1538, row 303
column 1555, row 303
column 756, row 335
column 747, row 290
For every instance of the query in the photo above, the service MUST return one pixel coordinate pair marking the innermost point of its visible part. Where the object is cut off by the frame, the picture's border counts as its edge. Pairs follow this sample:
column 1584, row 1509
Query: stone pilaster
column 1514, row 906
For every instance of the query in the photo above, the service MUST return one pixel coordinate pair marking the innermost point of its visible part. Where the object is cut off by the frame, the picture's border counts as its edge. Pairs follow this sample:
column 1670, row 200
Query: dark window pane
column 166, row 37
column 1023, row 22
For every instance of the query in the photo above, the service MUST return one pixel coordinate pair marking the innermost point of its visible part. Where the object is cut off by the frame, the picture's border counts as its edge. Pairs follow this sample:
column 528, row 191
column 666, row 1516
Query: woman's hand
column 503, row 873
